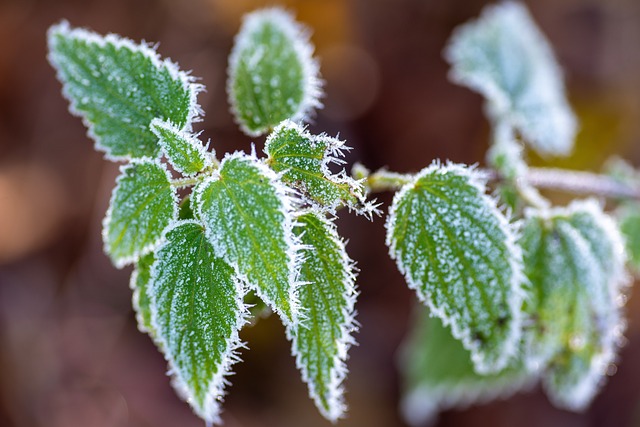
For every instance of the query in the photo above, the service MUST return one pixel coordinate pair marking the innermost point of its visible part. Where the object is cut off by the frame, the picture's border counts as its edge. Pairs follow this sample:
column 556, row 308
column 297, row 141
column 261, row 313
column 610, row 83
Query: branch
column 569, row 181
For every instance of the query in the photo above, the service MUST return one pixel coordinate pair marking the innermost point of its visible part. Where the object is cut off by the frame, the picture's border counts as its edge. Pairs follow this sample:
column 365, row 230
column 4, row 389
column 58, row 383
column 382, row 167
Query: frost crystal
column 505, row 57
column 458, row 251
column 272, row 74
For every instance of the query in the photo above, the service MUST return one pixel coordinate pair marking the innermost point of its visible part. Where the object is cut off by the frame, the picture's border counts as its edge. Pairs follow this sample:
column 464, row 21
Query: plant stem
column 576, row 182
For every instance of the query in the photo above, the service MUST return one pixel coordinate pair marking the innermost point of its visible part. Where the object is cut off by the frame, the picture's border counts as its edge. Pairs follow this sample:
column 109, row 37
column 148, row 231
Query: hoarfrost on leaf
column 185, row 152
column 249, row 222
column 118, row 87
column 458, row 251
column 323, row 337
column 272, row 74
column 439, row 375
column 505, row 57
column 197, row 311
column 303, row 160
column 142, row 205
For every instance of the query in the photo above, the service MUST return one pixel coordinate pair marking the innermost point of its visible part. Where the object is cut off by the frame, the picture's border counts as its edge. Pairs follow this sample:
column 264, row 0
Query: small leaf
column 197, row 311
column 304, row 159
column 139, row 284
column 458, row 251
column 118, row 87
column 321, row 341
column 505, row 57
column 272, row 74
column 142, row 205
column 185, row 152
column 247, row 215
column 574, row 260
column 629, row 218
column 439, row 375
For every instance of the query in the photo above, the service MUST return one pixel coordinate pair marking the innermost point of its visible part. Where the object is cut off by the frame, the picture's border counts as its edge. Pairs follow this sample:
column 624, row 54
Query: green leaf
column 458, row 251
column 304, row 159
column 118, row 87
column 140, row 284
column 197, row 311
column 248, row 217
column 185, row 152
column 439, row 375
column 629, row 219
column 322, row 339
column 272, row 74
column 142, row 205
column 505, row 57
column 574, row 260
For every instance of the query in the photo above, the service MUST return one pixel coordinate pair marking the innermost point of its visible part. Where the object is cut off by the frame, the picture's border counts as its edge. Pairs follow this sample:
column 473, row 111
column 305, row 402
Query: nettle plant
column 516, row 290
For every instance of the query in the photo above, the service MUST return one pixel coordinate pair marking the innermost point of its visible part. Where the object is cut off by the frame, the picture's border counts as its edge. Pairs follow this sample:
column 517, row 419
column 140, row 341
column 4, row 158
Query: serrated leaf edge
column 337, row 405
column 187, row 136
column 299, row 36
column 212, row 408
column 188, row 81
column 288, row 199
column 477, row 179
column 106, row 222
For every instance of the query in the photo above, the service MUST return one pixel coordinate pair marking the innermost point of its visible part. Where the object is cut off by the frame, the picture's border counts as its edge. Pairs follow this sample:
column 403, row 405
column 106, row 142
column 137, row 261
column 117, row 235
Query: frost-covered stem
column 580, row 182
column 381, row 180
column 187, row 182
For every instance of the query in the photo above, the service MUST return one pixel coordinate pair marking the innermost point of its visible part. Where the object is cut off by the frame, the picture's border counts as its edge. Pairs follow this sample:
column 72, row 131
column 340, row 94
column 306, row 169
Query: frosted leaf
column 272, row 74
column 458, row 251
column 505, row 57
column 248, row 221
column 142, row 205
column 197, row 311
column 439, row 375
column 322, row 339
column 628, row 216
column 118, row 87
column 185, row 152
column 139, row 284
column 574, row 260
column 304, row 159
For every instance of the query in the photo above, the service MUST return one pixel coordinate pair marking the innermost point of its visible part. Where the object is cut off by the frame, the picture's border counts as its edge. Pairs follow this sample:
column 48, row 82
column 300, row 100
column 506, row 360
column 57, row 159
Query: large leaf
column 304, row 159
column 142, row 205
column 249, row 222
column 439, row 375
column 185, row 152
column 118, row 87
column 272, row 75
column 197, row 310
column 458, row 251
column 574, row 260
column 505, row 57
column 322, row 339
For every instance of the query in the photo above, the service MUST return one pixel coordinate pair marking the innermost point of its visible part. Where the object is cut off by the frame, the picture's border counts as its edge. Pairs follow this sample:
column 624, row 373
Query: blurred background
column 70, row 353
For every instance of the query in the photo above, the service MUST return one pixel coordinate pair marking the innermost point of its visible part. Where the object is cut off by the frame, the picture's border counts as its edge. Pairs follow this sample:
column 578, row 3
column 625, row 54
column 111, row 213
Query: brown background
column 70, row 354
